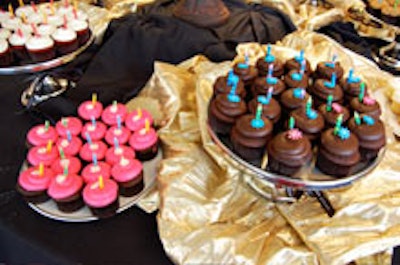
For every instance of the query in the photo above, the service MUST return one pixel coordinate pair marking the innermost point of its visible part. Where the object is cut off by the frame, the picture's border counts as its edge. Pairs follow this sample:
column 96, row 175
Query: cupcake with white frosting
column 12, row 23
column 82, row 29
column 5, row 53
column 4, row 33
column 17, row 42
column 25, row 10
column 55, row 20
column 40, row 48
column 66, row 40
column 46, row 29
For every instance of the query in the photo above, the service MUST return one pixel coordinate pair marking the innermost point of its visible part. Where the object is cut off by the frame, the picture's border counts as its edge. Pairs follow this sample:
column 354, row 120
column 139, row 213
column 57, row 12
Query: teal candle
column 329, row 103
column 338, row 124
column 357, row 118
column 46, row 125
column 362, row 92
column 291, row 123
column 257, row 122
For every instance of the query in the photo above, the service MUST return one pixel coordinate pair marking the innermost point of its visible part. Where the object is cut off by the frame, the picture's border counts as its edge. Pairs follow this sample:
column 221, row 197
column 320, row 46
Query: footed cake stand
column 280, row 188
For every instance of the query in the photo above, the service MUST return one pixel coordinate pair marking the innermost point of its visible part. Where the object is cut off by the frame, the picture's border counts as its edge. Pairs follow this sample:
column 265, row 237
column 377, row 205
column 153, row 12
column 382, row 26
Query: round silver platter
column 50, row 210
column 38, row 67
column 310, row 178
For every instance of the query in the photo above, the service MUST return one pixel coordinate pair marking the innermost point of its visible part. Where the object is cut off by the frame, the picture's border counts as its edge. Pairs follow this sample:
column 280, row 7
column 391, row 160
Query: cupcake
column 71, row 145
column 72, row 163
column 288, row 152
column 323, row 88
column 325, row 70
column 65, row 189
column 42, row 154
column 121, row 134
column 95, row 129
column 351, row 86
column 331, row 112
column 55, row 20
column 92, row 171
column 366, row 105
column 12, row 23
column 370, row 133
column 82, row 29
column 102, row 197
column 128, row 173
column 223, row 112
column 17, row 42
column 145, row 143
column 338, row 152
column 224, row 84
column 71, row 124
column 77, row 15
column 66, row 40
column 295, row 79
column 115, row 153
column 112, row 113
column 247, row 73
column 90, row 109
column 33, row 183
column 270, row 107
column 296, row 63
column 264, row 63
column 136, row 119
column 89, row 149
column 41, row 134
column 262, row 84
column 250, row 135
column 4, row 33
column 24, row 10
column 46, row 29
column 40, row 48
column 293, row 99
column 6, row 58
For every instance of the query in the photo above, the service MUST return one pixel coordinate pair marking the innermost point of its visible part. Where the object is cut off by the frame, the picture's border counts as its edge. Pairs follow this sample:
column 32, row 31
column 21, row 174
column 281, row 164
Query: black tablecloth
column 116, row 70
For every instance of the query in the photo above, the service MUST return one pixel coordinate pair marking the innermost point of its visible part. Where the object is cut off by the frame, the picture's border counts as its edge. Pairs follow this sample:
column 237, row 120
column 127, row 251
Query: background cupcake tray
column 42, row 66
column 50, row 210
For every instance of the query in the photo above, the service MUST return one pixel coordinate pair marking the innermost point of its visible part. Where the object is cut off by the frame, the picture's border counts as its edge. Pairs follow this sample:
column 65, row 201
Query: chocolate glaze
column 262, row 67
column 326, row 72
column 293, row 64
column 221, row 87
column 330, row 117
column 290, row 103
column 260, row 87
column 320, row 92
column 310, row 128
column 244, row 134
column 351, row 90
column 371, row 110
column 271, row 111
column 369, row 136
column 290, row 152
column 247, row 75
column 290, row 83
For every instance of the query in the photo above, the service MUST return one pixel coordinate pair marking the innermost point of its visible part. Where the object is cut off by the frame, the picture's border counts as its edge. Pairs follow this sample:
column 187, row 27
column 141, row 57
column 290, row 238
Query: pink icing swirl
column 91, row 173
column 30, row 180
column 95, row 132
column 97, row 197
column 72, row 163
column 126, row 170
column 70, row 148
column 39, row 154
column 114, row 155
column 97, row 147
column 87, row 110
column 110, row 114
column 142, row 140
column 295, row 134
column 369, row 101
column 64, row 186
column 134, row 123
column 39, row 136
column 121, row 134
column 74, row 125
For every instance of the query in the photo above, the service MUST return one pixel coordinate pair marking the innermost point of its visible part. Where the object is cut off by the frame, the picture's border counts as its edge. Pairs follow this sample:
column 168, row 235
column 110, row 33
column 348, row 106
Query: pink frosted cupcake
column 66, row 40
column 5, row 53
column 71, row 124
column 42, row 154
column 136, row 119
column 97, row 148
column 128, row 173
column 40, row 48
column 72, row 163
column 115, row 153
column 41, row 134
column 145, row 143
column 111, row 113
column 92, row 171
column 90, row 109
column 102, row 197
column 65, row 190
column 18, row 41
column 33, row 183
column 71, row 145
column 95, row 129
column 122, row 135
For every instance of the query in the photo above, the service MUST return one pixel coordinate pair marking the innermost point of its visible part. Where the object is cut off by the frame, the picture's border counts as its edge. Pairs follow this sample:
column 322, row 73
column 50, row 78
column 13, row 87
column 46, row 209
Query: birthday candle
column 41, row 169
column 269, row 93
column 300, row 58
column 329, row 103
column 46, row 125
column 351, row 71
column 44, row 14
column 65, row 172
column 357, row 118
column 362, row 92
column 23, row 18
column 64, row 122
column 119, row 121
column 270, row 70
column 259, row 111
column 338, row 124
column 94, row 98
column 333, row 80
column 88, row 139
column 308, row 105
column 53, row 11
column 147, row 125
column 21, row 2
column 291, row 123
column 303, row 67
column 34, row 7
column 62, row 154
column 49, row 146
column 94, row 158
column 101, row 182
column 116, row 143
column 69, row 136
column 139, row 112
column 11, row 10
column 93, row 121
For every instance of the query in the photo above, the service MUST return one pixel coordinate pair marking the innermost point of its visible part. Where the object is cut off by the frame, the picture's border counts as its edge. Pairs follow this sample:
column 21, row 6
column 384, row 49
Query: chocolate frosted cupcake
column 247, row 73
column 293, row 99
column 224, row 110
column 295, row 79
column 370, row 133
column 309, row 121
column 323, row 88
column 250, row 135
column 224, row 85
column 351, row 86
column 338, row 152
column 296, row 62
column 327, row 69
column 331, row 111
column 262, row 84
column 288, row 152
column 264, row 63
column 366, row 105
column 270, row 107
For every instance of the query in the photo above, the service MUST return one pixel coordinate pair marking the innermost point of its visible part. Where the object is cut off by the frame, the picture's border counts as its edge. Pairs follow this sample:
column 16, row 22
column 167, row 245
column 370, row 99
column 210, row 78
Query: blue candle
column 119, row 121
column 69, row 136
column 93, row 121
column 94, row 158
column 88, row 139
column 116, row 143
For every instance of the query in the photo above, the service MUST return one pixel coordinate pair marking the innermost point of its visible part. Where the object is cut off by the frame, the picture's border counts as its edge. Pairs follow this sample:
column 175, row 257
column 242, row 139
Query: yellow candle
column 10, row 10
column 23, row 17
column 75, row 5
column 139, row 112
column 21, row 3
column 44, row 14
column 49, row 146
column 41, row 169
column 94, row 98
column 101, row 182
column 147, row 125
column 53, row 11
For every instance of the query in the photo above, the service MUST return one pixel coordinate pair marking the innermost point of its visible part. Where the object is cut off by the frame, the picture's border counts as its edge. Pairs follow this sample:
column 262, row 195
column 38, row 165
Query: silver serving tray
column 42, row 66
column 310, row 178
column 50, row 210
